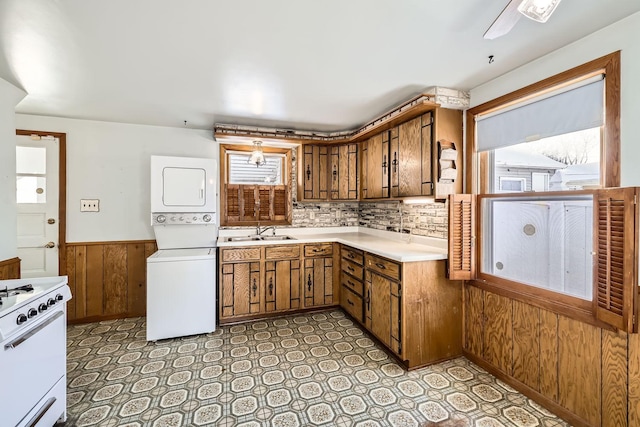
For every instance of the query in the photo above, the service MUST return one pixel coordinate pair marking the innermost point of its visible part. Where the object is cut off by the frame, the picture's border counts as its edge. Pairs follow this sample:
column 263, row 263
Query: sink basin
column 255, row 238
column 243, row 238
column 277, row 238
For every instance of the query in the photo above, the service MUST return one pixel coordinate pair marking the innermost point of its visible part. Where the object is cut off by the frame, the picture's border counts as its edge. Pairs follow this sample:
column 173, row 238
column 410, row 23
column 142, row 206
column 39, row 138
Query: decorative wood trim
column 62, row 192
column 10, row 268
column 408, row 110
column 110, row 242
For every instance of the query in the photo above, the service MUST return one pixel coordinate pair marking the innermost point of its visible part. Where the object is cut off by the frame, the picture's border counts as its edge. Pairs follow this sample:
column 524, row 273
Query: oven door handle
column 22, row 338
column 34, row 421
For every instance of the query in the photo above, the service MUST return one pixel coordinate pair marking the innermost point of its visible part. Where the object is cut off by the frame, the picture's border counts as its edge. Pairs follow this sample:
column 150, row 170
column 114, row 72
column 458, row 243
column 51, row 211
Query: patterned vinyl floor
column 305, row 370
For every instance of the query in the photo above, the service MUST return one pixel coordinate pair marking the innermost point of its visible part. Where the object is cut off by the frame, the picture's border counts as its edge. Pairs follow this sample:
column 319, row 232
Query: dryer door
column 183, row 187
column 183, row 184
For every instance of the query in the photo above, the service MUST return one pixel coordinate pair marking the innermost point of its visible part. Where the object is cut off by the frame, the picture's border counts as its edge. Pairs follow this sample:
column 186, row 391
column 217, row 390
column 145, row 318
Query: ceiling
column 318, row 65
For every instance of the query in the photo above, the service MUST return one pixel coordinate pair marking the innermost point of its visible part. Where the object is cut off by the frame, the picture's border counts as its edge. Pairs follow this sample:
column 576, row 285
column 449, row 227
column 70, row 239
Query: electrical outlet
column 89, row 205
column 312, row 215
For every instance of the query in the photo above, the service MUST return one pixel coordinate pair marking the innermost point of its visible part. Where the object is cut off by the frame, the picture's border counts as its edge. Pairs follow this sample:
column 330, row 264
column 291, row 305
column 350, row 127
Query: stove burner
column 15, row 291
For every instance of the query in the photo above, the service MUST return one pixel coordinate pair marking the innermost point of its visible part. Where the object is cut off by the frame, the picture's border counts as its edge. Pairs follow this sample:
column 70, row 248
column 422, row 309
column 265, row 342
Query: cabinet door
column 344, row 172
column 427, row 154
column 378, row 166
column 314, row 172
column 385, row 311
column 410, row 158
column 364, row 169
column 318, row 281
column 394, row 151
column 241, row 289
column 282, row 285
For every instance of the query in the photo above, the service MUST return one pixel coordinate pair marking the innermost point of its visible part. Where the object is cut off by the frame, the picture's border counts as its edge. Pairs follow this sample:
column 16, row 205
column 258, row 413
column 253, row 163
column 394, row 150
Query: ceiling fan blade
column 505, row 21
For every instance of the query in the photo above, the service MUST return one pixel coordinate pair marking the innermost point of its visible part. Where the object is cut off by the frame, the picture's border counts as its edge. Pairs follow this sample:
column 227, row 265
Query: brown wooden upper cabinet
column 403, row 161
column 328, row 172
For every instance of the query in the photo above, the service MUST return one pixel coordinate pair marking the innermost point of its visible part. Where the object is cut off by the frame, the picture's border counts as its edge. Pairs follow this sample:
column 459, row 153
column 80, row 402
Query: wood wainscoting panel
column 549, row 354
column 498, row 332
column 10, row 268
column 614, row 379
column 579, row 368
column 634, row 379
column 107, row 279
column 474, row 328
column 526, row 344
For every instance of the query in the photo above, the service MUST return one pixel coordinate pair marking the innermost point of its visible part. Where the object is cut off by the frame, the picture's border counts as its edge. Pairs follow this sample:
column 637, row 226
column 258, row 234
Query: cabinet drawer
column 240, row 254
column 351, row 283
column 383, row 266
column 352, row 255
column 352, row 268
column 277, row 252
column 352, row 303
column 321, row 249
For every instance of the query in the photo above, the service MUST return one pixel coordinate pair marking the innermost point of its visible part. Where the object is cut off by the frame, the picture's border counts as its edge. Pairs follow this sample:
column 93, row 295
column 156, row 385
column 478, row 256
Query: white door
column 37, row 189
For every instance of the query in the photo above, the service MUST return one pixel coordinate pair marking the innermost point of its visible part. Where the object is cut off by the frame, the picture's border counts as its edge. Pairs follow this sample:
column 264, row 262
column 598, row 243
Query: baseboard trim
column 539, row 398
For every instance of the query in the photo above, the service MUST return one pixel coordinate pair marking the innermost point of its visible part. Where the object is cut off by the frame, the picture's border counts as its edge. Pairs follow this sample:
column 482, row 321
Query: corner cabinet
column 328, row 172
column 411, row 307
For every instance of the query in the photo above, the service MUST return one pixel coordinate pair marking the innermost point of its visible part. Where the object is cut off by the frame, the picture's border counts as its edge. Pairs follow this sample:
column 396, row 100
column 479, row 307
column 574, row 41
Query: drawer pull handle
column 254, row 288
column 350, row 268
column 308, row 173
column 350, row 283
column 350, row 255
column 369, row 300
column 309, row 283
column 349, row 301
column 271, row 286
column 380, row 265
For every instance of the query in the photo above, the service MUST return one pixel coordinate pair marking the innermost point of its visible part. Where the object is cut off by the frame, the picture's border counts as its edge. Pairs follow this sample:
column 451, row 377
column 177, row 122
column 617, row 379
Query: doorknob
column 50, row 245
column 51, row 221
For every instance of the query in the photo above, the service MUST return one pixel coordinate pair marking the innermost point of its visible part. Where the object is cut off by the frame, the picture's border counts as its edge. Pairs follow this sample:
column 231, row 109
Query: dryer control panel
column 177, row 218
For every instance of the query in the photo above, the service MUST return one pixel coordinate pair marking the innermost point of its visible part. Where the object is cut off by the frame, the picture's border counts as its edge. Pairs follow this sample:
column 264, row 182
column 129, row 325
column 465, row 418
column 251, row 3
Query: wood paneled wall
column 10, row 268
column 107, row 279
column 588, row 375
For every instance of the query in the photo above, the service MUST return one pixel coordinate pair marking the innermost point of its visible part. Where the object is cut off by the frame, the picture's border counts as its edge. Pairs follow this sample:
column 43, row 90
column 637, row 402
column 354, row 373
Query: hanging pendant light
column 257, row 156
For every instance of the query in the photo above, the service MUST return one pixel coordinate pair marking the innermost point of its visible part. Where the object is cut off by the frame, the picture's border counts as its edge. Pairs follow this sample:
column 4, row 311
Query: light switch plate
column 89, row 205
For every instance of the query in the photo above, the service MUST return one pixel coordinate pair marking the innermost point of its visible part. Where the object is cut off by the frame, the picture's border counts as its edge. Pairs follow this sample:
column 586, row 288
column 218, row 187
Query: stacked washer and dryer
column 181, row 275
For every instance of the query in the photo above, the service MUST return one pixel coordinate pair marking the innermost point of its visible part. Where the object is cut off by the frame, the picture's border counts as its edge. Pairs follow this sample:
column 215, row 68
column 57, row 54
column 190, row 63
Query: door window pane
column 31, row 160
column 31, row 189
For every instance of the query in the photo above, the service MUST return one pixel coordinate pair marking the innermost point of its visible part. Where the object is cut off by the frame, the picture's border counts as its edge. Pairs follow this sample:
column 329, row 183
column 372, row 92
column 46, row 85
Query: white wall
column 624, row 36
column 9, row 97
column 110, row 162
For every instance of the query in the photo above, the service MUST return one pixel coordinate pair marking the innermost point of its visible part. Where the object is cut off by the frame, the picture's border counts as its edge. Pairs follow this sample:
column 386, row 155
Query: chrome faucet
column 260, row 230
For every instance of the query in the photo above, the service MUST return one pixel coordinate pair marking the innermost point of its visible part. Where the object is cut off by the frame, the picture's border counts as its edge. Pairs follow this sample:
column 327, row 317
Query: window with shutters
column 250, row 194
column 573, row 250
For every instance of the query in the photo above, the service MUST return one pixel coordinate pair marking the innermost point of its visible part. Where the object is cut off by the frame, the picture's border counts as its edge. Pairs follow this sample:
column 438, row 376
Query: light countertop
column 402, row 248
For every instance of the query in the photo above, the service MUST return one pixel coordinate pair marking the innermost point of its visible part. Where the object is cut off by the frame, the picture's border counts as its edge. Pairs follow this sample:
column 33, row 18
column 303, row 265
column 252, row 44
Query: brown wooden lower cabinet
column 10, row 268
column 588, row 375
column 412, row 308
column 257, row 281
column 107, row 279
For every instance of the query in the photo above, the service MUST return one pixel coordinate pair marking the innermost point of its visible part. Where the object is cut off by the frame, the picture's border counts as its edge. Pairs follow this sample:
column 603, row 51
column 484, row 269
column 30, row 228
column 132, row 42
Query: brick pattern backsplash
column 325, row 214
column 423, row 220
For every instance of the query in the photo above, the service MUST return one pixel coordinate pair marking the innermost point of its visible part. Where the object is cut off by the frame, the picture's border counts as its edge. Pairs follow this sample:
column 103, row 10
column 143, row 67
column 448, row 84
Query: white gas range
column 33, row 351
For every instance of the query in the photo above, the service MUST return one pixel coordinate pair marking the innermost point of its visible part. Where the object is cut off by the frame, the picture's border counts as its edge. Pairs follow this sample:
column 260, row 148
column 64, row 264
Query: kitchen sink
column 277, row 238
column 242, row 238
column 255, row 238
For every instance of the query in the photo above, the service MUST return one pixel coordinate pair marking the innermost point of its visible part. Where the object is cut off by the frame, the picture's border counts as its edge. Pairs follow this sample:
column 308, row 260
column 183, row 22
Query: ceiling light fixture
column 257, row 156
column 538, row 10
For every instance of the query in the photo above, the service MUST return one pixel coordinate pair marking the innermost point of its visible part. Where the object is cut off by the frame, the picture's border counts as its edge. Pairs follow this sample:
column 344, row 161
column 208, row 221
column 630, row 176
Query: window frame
column 501, row 179
column 225, row 150
column 477, row 164
column 478, row 183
